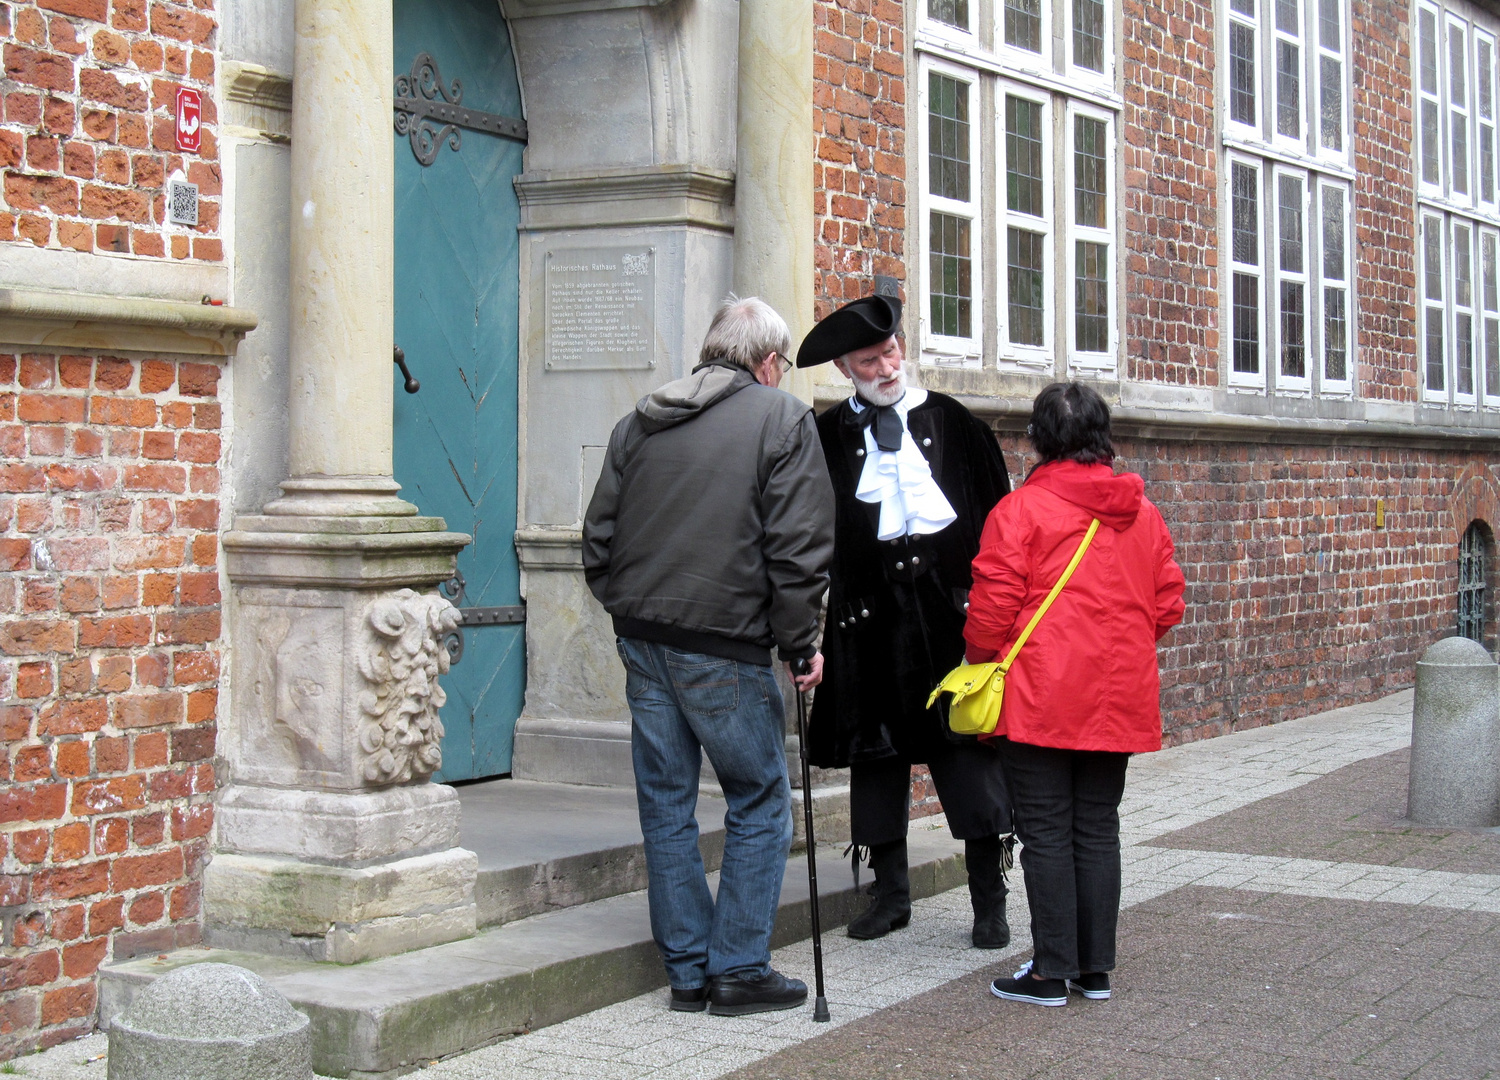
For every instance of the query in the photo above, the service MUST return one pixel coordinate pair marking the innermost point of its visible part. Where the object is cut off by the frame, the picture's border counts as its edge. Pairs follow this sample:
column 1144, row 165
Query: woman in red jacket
column 1082, row 695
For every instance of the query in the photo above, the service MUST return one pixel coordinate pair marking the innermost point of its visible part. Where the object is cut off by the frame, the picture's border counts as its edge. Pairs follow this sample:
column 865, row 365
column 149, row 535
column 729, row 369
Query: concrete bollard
column 1455, row 737
column 210, row 1022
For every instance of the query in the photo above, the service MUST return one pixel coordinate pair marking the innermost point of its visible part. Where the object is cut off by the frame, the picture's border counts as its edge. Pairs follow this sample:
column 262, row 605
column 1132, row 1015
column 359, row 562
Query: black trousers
column 970, row 782
column 1067, row 807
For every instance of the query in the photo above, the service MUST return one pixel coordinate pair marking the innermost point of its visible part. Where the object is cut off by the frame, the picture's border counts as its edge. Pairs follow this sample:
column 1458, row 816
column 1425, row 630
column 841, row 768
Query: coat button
column 859, row 453
column 916, row 560
column 900, row 566
column 864, row 613
column 895, row 541
column 926, row 442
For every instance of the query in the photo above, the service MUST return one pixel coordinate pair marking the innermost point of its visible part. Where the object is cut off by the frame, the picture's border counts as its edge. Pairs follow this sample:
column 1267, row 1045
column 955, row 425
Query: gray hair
column 743, row 332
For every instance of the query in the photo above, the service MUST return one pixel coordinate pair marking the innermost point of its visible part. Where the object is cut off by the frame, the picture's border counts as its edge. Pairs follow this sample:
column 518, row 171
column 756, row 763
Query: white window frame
column 1319, row 52
column 1298, row 385
column 1297, row 144
column 938, row 348
column 1248, row 380
column 1439, row 223
column 1455, row 110
column 1024, row 59
column 1489, row 314
column 1254, row 130
column 1106, row 78
column 1456, row 310
column 1342, row 387
column 1080, row 362
column 1482, row 43
column 1436, row 99
column 1014, row 356
column 963, row 37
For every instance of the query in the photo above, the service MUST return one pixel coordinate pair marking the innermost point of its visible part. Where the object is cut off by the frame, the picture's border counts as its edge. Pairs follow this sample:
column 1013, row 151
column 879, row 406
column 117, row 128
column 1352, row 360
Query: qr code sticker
column 635, row 265
column 182, row 202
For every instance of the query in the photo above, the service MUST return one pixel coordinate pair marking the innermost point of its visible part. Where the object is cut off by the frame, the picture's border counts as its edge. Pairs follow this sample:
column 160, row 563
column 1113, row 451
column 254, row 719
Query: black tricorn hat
column 858, row 324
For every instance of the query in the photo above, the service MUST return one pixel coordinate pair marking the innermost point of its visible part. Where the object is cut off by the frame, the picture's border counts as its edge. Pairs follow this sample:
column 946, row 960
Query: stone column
column 331, row 843
column 773, row 200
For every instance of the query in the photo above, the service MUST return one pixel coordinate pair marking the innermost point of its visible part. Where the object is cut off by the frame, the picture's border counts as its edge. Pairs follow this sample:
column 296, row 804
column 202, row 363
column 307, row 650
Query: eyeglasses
column 785, row 362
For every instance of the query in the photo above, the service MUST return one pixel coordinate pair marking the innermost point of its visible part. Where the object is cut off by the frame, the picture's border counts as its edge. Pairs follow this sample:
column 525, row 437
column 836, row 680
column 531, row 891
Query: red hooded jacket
column 1086, row 679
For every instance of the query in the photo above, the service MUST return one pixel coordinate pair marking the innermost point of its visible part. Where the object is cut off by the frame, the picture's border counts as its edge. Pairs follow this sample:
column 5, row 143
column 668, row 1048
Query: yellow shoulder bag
column 979, row 689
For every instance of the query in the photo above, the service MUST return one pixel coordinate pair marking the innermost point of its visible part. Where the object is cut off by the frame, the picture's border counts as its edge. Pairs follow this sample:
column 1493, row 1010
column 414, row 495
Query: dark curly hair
column 1070, row 421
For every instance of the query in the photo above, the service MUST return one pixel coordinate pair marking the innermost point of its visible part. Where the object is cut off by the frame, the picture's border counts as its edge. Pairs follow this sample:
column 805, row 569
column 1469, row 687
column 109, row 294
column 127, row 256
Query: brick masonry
column 109, row 661
column 859, row 128
column 87, row 121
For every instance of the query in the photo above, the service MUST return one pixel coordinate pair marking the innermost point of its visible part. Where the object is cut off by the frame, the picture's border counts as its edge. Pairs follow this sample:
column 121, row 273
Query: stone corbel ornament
column 401, row 658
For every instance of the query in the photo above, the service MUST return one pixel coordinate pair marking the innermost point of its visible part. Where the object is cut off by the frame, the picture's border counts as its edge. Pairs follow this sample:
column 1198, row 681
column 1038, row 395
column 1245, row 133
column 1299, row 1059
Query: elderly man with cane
column 914, row 477
column 708, row 540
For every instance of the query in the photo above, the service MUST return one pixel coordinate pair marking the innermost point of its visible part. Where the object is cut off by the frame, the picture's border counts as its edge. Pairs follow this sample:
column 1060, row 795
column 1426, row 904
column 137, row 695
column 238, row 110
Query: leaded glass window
column 951, row 289
column 952, row 12
column 948, row 137
column 1023, row 24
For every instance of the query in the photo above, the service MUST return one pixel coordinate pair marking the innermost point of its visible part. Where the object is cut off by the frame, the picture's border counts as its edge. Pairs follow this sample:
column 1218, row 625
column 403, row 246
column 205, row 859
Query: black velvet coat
column 896, row 607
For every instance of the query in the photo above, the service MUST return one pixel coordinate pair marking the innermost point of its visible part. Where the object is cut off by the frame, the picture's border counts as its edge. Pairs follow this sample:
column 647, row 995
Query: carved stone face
column 306, row 709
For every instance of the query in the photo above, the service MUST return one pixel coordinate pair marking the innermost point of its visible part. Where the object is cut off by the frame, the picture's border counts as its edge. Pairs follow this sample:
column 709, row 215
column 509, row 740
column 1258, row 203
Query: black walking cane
column 820, row 1004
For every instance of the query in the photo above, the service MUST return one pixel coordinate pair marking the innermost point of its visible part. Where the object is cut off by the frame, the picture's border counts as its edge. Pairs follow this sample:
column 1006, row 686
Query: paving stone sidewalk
column 1280, row 919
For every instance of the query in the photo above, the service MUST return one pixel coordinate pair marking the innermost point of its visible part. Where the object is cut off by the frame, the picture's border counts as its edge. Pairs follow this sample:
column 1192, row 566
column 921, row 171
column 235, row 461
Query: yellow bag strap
column 1088, row 538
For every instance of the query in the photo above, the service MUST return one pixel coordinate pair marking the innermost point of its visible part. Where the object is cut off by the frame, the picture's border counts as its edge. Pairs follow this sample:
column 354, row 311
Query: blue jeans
column 684, row 705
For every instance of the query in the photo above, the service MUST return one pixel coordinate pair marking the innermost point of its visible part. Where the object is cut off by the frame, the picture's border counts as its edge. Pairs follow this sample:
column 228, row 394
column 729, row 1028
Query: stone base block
column 593, row 752
column 348, row 829
column 340, row 914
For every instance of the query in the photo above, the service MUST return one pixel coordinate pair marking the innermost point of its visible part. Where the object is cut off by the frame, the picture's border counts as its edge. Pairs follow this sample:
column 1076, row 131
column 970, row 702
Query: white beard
column 872, row 392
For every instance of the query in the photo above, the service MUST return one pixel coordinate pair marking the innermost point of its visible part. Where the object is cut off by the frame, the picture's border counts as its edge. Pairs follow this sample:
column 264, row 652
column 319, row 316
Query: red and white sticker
column 189, row 119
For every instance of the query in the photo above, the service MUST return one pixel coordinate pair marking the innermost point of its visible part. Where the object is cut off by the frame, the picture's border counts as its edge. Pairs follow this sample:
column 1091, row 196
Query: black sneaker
column 1093, row 985
column 694, row 1000
column 1024, row 986
column 733, row 995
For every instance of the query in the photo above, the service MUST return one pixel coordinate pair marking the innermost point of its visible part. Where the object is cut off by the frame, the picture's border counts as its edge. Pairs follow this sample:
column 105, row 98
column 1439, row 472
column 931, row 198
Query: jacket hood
column 680, row 401
column 1114, row 500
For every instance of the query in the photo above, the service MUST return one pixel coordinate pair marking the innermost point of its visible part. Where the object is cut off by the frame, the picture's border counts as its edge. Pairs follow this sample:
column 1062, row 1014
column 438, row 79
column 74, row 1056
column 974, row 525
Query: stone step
column 544, row 846
column 384, row 1017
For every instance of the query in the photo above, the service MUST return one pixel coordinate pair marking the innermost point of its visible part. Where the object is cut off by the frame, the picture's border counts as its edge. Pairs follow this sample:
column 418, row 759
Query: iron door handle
column 399, row 357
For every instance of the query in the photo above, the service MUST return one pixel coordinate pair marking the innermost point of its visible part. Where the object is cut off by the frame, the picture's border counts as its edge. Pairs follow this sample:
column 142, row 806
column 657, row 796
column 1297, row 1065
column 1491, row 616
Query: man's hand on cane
column 814, row 675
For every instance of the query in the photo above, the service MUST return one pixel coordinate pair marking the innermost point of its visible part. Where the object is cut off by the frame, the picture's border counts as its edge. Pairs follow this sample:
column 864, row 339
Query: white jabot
column 901, row 481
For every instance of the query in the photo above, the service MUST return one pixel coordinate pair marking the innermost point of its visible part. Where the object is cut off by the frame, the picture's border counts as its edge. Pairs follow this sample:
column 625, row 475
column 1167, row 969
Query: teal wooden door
column 457, row 292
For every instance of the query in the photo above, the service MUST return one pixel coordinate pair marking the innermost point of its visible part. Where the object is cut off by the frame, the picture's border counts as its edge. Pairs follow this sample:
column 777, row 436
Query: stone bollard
column 210, row 1022
column 1455, row 737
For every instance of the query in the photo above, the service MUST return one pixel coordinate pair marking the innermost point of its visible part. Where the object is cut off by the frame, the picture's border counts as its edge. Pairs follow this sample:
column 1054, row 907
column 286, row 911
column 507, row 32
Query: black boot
column 987, row 892
column 891, row 907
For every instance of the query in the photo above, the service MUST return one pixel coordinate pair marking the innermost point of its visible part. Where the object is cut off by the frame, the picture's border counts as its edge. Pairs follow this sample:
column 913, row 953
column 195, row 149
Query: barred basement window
column 1473, row 580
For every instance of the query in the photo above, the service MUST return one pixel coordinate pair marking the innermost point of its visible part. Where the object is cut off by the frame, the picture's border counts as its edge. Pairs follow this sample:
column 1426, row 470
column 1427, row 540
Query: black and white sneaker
column 1024, row 986
column 1093, row 985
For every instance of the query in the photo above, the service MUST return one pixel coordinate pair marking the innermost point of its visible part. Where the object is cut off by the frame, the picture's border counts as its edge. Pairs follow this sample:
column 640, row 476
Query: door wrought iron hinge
column 453, row 591
column 422, row 97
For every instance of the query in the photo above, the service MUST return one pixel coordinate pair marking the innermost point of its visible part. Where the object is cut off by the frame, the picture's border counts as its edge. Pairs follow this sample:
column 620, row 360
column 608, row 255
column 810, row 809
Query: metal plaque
column 600, row 308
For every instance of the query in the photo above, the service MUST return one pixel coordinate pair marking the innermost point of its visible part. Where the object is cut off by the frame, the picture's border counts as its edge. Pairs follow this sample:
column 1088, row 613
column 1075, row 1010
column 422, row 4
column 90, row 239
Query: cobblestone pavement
column 1280, row 919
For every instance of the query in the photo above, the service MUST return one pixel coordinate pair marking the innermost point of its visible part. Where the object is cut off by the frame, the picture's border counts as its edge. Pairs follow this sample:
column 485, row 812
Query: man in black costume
column 914, row 477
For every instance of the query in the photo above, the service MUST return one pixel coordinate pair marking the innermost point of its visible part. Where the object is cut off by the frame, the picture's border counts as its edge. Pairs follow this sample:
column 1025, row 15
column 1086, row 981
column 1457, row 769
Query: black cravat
column 885, row 421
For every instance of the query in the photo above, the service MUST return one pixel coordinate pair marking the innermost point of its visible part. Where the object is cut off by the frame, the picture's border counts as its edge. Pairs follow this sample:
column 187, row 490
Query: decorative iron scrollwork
column 423, row 97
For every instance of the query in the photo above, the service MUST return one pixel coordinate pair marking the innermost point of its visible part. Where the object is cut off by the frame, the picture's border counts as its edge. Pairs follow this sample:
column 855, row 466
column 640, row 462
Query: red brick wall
column 87, row 122
column 109, row 660
column 859, row 170
column 1384, row 218
column 1171, row 293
